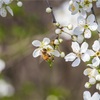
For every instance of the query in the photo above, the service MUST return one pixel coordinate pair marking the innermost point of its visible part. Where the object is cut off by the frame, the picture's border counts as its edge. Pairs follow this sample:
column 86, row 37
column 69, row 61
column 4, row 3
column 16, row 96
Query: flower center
column 73, row 7
column 78, row 55
column 98, row 54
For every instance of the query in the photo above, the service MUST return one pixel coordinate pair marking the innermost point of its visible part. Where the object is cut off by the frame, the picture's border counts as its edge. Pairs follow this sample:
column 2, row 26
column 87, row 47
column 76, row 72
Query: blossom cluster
column 87, row 26
column 4, row 7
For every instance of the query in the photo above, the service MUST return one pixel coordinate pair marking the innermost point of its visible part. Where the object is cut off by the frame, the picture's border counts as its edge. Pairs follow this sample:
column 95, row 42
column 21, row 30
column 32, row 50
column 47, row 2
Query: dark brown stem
column 53, row 17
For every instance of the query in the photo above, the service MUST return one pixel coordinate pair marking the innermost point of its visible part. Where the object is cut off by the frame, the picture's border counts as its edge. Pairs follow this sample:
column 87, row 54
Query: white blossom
column 44, row 45
column 78, row 54
column 96, row 54
column 86, row 26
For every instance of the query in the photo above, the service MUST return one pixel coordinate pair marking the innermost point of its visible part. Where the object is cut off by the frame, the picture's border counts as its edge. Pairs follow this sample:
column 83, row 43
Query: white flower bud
column 56, row 41
column 19, row 4
column 98, row 77
column 92, row 80
column 87, row 85
column 48, row 10
column 62, row 54
column 74, row 38
column 98, row 86
column 57, row 24
column 60, row 40
column 70, row 26
column 58, row 31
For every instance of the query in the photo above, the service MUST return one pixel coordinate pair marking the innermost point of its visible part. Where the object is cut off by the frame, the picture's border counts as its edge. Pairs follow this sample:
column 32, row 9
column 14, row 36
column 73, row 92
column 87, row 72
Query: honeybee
column 46, row 56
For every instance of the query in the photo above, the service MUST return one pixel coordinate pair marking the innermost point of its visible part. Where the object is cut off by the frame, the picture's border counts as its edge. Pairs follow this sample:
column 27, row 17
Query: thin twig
column 53, row 17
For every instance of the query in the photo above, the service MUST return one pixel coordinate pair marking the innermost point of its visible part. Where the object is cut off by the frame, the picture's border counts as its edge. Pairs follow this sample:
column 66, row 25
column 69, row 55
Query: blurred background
column 24, row 77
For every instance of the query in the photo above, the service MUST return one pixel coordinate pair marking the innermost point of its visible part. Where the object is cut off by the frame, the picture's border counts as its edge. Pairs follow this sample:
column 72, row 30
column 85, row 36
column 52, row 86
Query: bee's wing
column 41, row 59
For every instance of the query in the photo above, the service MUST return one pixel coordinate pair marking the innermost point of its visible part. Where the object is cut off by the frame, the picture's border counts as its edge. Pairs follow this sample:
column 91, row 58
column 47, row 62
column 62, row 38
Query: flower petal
column 36, row 53
column 80, row 38
column 96, row 61
column 46, row 41
column 95, row 96
column 76, row 62
column 75, row 46
column 96, row 45
column 86, row 95
column 36, row 43
column 93, row 26
column 85, row 57
column 55, row 53
column 90, row 19
column 78, row 30
column 87, row 71
column 90, row 52
column 84, row 47
column 3, row 12
column 81, row 20
column 87, row 34
column 70, row 57
column 9, row 10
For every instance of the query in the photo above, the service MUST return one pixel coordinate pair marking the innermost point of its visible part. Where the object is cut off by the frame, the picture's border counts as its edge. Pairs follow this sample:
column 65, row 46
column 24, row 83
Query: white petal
column 96, row 61
column 98, row 27
column 98, row 3
column 46, row 41
column 86, row 95
column 36, row 43
column 90, row 19
column 9, row 10
column 80, row 38
column 3, row 12
column 2, row 65
column 84, row 47
column 90, row 52
column 96, row 45
column 7, row 1
column 75, row 46
column 70, row 57
column 87, row 71
column 76, row 62
column 78, row 30
column 36, row 53
column 93, row 26
column 83, row 13
column 56, row 53
column 95, row 96
column 85, row 57
column 87, row 34
column 81, row 20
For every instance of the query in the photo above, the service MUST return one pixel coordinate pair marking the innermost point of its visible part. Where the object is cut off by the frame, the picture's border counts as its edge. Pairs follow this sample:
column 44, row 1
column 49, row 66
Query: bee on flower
column 45, row 50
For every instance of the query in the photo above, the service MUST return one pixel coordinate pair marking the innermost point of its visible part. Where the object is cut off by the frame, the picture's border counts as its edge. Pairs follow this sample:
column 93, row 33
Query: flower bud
column 58, row 31
column 98, row 77
column 98, row 86
column 48, row 10
column 70, row 26
column 19, row 4
column 87, row 85
column 92, row 80
column 56, row 41
column 62, row 54
column 60, row 40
